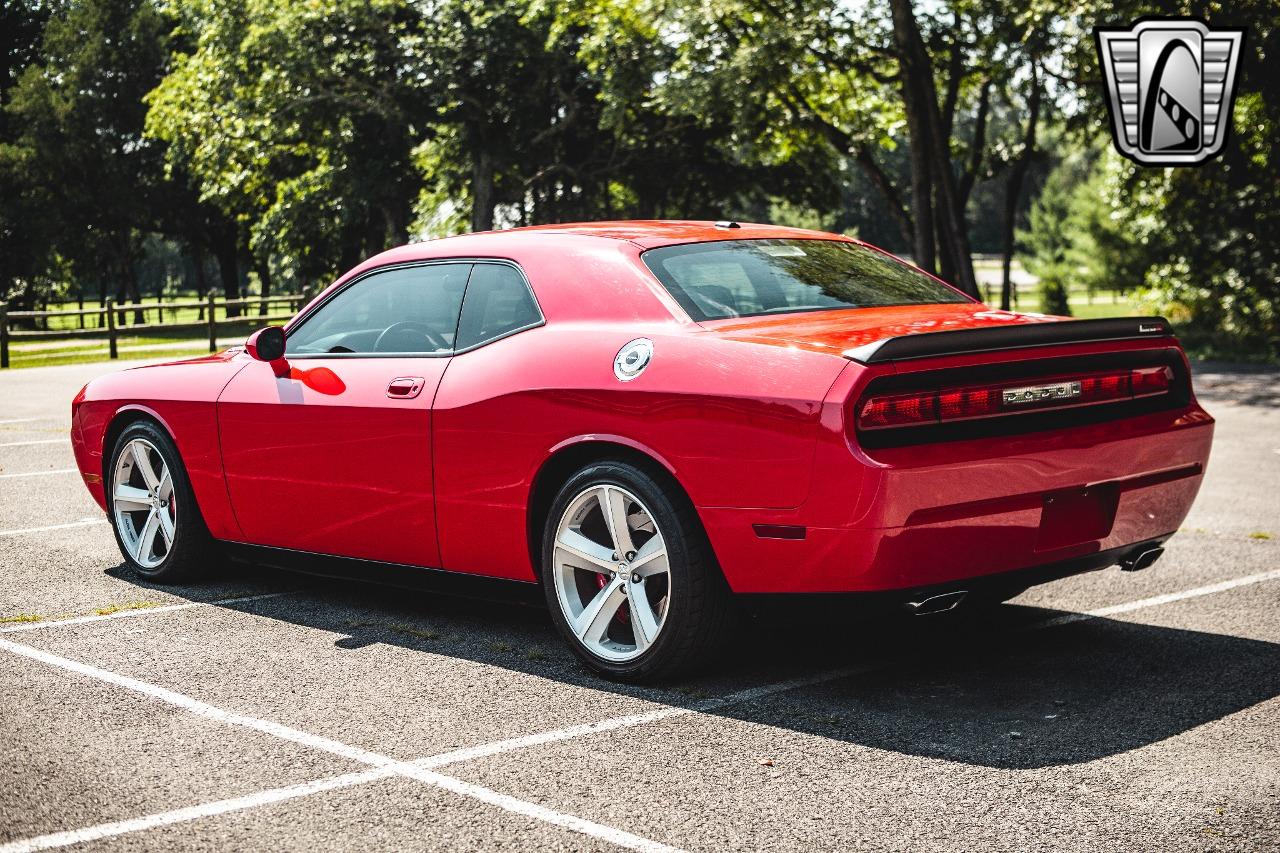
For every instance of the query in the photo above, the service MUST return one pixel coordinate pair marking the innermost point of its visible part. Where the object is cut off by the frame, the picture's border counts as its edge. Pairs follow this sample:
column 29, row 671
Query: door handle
column 405, row 387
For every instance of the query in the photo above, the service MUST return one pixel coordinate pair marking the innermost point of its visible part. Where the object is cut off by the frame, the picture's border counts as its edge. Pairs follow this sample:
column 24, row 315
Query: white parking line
column 235, row 804
column 82, row 523
column 141, row 611
column 1157, row 600
column 41, row 441
column 610, row 834
column 274, row 795
column 41, row 473
column 27, row 420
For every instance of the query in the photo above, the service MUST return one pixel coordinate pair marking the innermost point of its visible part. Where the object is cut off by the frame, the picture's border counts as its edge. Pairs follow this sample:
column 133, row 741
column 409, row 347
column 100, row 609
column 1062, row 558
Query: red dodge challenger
column 649, row 418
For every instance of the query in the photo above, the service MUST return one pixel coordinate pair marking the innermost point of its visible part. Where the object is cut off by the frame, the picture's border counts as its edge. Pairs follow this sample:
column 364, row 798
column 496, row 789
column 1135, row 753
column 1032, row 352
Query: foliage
column 78, row 175
column 279, row 142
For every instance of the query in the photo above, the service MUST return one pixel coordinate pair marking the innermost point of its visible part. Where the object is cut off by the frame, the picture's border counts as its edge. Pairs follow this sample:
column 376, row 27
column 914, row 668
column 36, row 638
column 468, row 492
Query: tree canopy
column 278, row 142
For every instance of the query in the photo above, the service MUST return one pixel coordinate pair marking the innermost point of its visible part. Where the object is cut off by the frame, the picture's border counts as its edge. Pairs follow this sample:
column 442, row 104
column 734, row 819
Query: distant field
column 1103, row 304
column 182, row 343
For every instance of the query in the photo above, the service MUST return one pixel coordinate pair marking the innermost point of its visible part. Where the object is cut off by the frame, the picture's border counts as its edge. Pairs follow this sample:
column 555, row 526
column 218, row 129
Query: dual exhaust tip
column 943, row 602
column 1140, row 560
column 936, row 603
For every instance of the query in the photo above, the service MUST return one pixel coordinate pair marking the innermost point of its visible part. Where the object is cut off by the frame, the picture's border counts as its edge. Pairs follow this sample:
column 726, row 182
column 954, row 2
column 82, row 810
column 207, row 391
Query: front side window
column 747, row 278
column 404, row 310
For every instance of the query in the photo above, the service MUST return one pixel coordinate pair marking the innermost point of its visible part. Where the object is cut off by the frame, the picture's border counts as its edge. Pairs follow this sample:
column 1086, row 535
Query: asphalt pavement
column 270, row 711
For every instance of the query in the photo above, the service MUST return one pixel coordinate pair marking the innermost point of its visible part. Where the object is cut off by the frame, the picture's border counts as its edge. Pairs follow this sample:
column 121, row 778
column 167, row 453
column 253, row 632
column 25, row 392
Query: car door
column 330, row 452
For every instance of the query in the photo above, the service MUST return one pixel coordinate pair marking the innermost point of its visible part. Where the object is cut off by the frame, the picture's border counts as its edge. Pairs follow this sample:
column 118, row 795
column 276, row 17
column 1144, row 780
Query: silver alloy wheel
column 612, row 577
column 142, row 503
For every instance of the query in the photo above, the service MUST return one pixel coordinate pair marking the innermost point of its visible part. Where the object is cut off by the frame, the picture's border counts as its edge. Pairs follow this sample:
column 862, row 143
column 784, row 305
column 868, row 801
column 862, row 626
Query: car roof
column 649, row 233
column 642, row 233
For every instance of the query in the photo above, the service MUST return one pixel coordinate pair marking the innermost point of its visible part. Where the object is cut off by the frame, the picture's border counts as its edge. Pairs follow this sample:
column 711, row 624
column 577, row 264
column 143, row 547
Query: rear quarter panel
column 734, row 422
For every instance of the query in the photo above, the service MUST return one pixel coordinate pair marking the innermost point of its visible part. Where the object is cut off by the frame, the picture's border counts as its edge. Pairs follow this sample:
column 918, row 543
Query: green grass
column 128, row 605
column 87, row 356
column 157, row 344
column 417, row 633
column 150, row 314
column 20, row 618
column 1103, row 304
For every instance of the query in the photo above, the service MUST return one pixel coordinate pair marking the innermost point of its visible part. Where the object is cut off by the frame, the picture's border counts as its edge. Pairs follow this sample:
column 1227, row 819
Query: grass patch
column 536, row 654
column 21, row 618
column 128, row 605
column 419, row 633
column 500, row 647
column 692, row 692
column 1259, row 534
column 55, row 358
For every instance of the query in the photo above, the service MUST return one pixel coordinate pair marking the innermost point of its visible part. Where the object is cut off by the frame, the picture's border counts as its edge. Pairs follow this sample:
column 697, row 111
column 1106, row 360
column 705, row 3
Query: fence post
column 4, row 334
column 111, row 327
column 213, row 326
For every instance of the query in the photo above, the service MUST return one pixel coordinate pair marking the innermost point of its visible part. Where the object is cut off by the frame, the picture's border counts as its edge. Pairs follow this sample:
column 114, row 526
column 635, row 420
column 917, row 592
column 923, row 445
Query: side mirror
column 266, row 344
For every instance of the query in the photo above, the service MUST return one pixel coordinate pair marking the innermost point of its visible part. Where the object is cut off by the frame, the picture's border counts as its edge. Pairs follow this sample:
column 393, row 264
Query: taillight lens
column 918, row 408
column 1152, row 380
column 898, row 410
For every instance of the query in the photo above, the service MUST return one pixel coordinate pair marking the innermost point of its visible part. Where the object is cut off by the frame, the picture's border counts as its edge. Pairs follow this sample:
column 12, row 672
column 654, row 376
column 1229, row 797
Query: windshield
column 747, row 278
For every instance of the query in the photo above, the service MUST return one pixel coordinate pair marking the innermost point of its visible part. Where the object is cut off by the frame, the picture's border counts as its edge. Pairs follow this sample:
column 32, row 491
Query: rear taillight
column 898, row 410
column 1151, row 380
column 935, row 406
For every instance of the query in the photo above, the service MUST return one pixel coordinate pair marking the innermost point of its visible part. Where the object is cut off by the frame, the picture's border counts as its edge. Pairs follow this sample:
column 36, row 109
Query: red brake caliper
column 623, row 616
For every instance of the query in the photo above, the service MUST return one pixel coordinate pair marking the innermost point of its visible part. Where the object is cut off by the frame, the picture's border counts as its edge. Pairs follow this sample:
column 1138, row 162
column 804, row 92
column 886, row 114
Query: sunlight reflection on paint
column 320, row 379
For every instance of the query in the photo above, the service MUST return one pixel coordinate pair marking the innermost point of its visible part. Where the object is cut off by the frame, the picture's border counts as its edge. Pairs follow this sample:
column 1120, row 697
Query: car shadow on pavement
column 978, row 689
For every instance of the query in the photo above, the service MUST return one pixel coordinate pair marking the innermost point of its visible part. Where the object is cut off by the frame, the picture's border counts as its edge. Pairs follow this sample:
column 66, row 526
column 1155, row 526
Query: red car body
column 756, row 418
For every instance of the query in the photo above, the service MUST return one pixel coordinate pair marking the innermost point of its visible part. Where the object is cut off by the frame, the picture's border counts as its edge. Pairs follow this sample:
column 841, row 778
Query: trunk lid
column 837, row 331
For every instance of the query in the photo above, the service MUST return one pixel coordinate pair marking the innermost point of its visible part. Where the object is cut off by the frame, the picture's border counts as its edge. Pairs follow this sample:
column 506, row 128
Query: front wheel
column 152, row 509
column 630, row 579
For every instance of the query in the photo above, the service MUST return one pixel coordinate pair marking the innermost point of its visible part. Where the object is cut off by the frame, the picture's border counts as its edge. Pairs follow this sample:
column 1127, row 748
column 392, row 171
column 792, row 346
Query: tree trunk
column 228, row 270
column 1013, row 187
column 924, row 122
column 889, row 192
column 482, row 191
column 904, row 25
column 262, row 266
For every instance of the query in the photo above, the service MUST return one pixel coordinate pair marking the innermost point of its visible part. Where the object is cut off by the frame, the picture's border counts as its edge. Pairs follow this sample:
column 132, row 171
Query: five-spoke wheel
column 142, row 497
column 629, row 575
column 152, row 510
column 611, row 575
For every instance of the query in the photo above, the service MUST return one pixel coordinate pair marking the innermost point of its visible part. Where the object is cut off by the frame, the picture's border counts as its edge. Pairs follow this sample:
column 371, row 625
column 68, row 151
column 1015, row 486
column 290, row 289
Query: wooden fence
column 110, row 325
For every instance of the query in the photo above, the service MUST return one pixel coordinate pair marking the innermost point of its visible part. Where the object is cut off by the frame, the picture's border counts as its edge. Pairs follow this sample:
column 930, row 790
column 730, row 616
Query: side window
column 498, row 302
column 406, row 310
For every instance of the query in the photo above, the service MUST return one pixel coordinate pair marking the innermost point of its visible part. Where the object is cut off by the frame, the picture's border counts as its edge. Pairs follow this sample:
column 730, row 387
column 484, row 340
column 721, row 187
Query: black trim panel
column 1029, row 421
column 389, row 574
column 932, row 344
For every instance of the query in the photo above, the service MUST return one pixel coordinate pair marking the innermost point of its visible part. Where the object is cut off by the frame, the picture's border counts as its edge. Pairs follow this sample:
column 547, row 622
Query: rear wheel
column 629, row 576
column 151, row 507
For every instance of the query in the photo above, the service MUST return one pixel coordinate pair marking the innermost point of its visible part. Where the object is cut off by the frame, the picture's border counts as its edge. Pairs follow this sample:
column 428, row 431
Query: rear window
column 747, row 278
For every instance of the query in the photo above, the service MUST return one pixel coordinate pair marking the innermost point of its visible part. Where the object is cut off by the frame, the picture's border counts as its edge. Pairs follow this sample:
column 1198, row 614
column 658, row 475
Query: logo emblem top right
column 1170, row 85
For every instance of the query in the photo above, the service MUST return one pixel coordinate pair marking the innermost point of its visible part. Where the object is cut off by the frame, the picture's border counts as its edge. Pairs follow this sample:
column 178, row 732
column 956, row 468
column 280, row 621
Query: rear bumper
column 994, row 587
column 1085, row 501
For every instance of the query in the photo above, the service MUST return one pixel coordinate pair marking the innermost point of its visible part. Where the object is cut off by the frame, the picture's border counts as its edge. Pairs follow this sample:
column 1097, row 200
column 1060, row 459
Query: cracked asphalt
column 270, row 711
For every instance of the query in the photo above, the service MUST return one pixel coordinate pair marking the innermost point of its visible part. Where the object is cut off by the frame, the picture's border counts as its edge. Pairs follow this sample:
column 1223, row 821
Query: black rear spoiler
column 1020, row 336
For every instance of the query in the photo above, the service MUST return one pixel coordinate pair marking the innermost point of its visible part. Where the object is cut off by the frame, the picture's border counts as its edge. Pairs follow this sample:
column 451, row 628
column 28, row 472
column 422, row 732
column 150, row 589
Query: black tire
column 700, row 613
column 192, row 549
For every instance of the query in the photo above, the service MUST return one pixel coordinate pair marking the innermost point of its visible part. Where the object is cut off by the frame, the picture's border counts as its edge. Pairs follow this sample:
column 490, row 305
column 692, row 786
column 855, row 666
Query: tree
column 75, row 156
column 296, row 120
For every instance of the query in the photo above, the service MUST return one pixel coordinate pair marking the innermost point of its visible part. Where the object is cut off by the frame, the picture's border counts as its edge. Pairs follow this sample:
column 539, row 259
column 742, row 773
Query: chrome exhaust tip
column 1141, row 560
column 936, row 603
